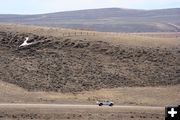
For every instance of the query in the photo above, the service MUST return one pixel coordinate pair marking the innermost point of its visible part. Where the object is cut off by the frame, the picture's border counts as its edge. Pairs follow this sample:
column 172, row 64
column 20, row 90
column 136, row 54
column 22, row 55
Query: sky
column 49, row 6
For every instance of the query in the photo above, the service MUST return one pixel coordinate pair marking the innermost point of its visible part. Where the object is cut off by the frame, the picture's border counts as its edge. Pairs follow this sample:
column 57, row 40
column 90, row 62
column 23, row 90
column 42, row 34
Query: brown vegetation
column 72, row 65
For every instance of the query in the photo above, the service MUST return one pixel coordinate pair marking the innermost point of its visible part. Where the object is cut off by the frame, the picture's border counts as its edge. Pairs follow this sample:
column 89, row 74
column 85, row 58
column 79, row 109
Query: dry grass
column 158, row 96
column 133, row 39
column 139, row 95
column 131, row 95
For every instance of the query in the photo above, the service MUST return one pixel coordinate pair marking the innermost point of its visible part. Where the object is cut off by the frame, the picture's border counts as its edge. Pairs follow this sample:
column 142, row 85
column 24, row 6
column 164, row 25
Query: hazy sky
column 47, row 6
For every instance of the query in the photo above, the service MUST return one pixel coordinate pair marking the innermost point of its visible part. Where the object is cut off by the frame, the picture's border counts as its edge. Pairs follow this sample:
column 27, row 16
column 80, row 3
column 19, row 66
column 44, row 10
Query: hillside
column 73, row 64
column 107, row 19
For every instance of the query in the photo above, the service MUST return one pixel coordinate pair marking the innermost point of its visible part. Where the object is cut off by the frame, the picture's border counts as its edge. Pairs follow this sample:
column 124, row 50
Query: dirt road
column 9, row 105
column 10, row 111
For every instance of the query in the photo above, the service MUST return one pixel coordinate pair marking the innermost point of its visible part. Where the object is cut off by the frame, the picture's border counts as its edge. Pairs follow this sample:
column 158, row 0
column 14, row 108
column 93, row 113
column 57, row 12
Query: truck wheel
column 111, row 104
column 100, row 104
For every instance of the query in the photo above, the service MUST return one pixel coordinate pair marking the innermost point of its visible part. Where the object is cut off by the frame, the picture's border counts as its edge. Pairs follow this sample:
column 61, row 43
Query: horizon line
column 91, row 9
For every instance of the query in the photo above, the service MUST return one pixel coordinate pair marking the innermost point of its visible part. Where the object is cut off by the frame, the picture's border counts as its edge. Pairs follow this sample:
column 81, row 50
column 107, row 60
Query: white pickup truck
column 105, row 102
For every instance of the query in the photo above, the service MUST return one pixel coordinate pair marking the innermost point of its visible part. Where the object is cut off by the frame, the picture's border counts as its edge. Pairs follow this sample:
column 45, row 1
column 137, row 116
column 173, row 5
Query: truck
column 104, row 102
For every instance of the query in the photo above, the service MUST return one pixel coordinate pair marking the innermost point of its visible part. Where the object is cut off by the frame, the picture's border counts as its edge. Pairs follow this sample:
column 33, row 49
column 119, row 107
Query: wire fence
column 70, row 34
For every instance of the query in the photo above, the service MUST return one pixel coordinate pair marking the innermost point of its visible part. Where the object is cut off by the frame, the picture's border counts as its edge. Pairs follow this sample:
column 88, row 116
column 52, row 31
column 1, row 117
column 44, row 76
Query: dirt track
column 79, row 112
column 74, row 64
column 9, row 105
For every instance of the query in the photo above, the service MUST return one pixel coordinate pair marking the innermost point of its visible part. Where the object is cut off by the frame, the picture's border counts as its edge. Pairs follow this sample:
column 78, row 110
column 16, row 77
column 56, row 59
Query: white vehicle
column 105, row 102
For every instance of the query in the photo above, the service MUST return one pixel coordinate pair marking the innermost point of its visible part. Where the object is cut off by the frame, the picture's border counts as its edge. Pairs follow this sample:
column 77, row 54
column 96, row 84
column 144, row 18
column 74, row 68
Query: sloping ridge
column 66, row 65
column 107, row 19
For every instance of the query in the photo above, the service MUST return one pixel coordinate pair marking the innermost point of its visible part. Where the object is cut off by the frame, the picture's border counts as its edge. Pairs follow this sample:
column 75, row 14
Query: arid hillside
column 73, row 64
